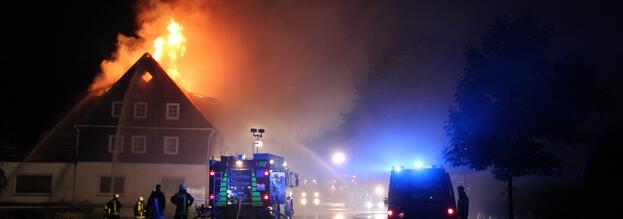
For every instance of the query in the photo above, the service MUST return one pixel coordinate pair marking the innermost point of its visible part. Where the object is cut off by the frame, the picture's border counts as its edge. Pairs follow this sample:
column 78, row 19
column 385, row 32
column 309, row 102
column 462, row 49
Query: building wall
column 62, row 179
column 140, row 179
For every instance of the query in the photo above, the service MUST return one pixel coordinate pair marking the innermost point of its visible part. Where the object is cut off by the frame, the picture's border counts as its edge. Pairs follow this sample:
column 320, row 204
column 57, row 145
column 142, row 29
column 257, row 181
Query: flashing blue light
column 397, row 168
column 419, row 165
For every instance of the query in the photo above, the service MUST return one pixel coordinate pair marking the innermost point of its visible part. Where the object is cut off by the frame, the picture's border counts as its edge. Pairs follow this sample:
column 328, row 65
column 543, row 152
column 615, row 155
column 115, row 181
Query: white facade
column 139, row 180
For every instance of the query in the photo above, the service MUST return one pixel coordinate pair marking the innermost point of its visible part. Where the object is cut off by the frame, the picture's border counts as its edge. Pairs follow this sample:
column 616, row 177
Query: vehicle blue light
column 397, row 168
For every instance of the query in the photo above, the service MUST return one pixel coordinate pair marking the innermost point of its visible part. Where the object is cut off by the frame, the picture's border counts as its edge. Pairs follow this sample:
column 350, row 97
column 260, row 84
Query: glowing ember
column 169, row 49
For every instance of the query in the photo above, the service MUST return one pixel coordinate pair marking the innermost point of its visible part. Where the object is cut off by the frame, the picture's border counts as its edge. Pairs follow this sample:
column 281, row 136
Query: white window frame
column 112, row 144
column 134, row 145
column 177, row 116
column 136, row 105
column 112, row 109
column 177, row 145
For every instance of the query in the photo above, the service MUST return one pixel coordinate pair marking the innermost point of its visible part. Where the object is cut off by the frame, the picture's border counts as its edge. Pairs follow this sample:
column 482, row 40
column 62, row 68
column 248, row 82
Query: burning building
column 141, row 131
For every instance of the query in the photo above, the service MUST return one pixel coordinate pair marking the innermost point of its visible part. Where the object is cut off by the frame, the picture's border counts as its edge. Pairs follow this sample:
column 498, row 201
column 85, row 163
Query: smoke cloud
column 286, row 66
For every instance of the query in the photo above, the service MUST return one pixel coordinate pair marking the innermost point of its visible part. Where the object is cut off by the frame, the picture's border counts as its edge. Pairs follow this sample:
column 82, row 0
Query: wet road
column 340, row 213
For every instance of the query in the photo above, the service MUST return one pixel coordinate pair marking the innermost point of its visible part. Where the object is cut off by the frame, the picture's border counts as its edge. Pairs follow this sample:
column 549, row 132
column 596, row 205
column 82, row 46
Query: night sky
column 54, row 53
column 55, row 48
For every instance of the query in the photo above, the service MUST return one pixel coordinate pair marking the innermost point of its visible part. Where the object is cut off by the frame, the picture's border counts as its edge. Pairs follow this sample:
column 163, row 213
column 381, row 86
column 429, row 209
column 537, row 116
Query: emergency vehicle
column 260, row 187
column 420, row 193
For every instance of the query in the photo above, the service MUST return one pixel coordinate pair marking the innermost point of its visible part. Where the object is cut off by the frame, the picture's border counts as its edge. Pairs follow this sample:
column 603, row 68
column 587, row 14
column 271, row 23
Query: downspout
column 73, row 199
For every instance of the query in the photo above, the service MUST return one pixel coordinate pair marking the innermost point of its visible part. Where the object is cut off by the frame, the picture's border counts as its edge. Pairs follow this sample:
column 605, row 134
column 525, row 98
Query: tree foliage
column 513, row 102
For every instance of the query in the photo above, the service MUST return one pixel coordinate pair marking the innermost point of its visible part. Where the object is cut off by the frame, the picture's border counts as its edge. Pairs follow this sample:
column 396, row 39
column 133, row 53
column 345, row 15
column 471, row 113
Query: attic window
column 146, row 77
column 117, row 106
column 140, row 110
column 173, row 111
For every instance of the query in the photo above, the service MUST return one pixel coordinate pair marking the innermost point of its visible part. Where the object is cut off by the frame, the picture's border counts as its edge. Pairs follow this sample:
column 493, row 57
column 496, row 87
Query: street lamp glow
column 258, row 144
column 419, row 165
column 338, row 157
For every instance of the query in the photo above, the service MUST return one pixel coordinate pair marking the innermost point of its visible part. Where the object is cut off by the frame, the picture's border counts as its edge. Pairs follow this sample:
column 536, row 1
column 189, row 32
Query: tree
column 513, row 104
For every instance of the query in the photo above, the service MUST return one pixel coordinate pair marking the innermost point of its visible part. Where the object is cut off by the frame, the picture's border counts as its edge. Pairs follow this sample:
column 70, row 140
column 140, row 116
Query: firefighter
column 139, row 209
column 113, row 207
column 183, row 200
column 463, row 204
column 156, row 203
column 289, row 207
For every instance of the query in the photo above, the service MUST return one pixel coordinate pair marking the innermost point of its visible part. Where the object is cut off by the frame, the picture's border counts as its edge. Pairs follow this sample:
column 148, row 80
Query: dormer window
column 117, row 106
column 140, row 110
column 173, row 111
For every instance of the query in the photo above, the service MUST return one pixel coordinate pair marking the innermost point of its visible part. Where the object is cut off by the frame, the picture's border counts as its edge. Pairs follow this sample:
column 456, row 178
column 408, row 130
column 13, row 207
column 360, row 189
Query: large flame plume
column 173, row 46
column 168, row 48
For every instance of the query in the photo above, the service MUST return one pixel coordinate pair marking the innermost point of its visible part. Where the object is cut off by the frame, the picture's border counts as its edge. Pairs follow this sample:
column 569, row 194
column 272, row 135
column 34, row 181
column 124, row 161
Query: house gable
column 154, row 93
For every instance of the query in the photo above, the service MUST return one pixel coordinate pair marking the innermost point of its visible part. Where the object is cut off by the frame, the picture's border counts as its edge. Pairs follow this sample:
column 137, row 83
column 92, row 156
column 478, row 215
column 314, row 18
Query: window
column 173, row 111
column 33, row 183
column 140, row 110
column 171, row 145
column 139, row 144
column 170, row 185
column 117, row 106
column 115, row 143
column 109, row 184
column 147, row 77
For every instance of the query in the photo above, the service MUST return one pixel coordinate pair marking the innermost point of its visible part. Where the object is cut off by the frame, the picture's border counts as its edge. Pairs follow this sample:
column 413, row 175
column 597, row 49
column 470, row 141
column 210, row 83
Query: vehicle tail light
column 266, row 173
column 266, row 197
column 211, row 173
column 401, row 215
column 211, row 196
column 450, row 211
column 390, row 213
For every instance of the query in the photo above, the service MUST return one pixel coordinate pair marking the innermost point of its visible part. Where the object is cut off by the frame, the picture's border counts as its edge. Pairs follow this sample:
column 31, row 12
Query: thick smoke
column 286, row 66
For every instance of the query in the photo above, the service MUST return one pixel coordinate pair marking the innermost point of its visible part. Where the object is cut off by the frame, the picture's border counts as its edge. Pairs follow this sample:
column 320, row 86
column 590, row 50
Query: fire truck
column 260, row 187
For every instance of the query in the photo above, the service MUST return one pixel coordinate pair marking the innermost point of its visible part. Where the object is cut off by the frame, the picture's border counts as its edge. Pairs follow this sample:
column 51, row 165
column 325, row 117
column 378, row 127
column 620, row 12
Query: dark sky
column 52, row 50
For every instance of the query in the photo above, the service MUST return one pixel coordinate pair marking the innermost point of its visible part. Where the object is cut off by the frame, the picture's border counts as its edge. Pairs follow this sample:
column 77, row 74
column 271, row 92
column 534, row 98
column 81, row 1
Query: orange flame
column 169, row 49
